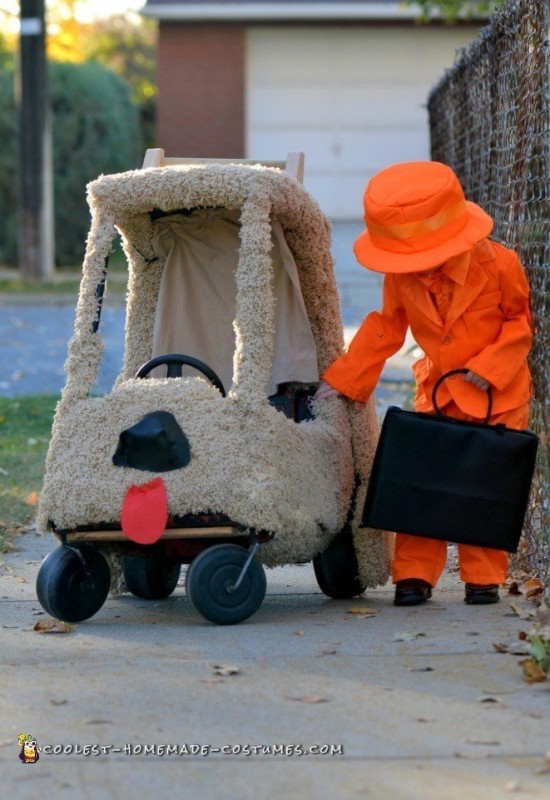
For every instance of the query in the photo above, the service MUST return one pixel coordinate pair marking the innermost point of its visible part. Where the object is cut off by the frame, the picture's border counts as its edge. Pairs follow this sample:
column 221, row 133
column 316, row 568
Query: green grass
column 25, row 425
column 66, row 279
column 19, row 286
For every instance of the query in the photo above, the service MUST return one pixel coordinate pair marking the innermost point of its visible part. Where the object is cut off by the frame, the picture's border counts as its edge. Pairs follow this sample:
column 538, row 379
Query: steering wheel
column 174, row 362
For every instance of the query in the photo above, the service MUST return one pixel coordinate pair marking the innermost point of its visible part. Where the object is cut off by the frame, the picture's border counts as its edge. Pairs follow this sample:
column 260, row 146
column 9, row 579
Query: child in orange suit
column 466, row 300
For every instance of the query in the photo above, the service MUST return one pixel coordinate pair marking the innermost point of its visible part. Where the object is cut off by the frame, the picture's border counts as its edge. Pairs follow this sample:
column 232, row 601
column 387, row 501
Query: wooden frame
column 170, row 533
column 294, row 164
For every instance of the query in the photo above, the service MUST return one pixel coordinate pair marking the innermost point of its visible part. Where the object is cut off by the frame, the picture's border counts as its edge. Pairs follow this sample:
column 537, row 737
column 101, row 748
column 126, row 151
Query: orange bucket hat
column 417, row 218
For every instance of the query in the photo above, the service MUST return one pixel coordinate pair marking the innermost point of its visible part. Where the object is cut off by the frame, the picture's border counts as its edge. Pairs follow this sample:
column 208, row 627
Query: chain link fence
column 489, row 121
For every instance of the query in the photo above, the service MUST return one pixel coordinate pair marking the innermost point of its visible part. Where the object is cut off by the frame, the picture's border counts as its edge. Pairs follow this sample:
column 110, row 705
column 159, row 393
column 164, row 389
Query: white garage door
column 352, row 98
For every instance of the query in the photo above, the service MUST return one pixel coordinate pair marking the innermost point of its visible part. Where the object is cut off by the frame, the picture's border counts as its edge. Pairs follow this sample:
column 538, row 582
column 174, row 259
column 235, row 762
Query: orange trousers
column 417, row 557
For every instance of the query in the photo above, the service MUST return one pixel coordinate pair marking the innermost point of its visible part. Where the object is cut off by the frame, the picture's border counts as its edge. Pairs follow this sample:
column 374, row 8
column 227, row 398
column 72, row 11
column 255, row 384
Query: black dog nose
column 155, row 444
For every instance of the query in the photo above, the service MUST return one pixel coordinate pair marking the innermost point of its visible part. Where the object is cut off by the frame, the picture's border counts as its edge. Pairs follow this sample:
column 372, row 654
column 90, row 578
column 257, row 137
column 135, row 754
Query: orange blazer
column 487, row 330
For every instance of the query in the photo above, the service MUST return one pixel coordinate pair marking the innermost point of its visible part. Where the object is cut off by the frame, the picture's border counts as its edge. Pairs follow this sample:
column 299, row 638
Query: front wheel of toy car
column 72, row 584
column 336, row 568
column 150, row 577
column 211, row 584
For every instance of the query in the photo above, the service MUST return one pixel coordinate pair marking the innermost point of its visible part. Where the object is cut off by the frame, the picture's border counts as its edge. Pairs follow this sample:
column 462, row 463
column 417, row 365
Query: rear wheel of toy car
column 210, row 584
column 336, row 568
column 150, row 577
column 72, row 584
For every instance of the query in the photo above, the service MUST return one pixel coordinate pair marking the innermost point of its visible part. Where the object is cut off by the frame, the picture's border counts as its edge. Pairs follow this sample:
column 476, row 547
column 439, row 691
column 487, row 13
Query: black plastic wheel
column 70, row 588
column 336, row 568
column 150, row 577
column 210, row 577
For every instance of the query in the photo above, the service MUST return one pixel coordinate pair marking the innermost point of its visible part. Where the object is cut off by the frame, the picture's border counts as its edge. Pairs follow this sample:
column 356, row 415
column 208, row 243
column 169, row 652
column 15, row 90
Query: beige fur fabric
column 247, row 460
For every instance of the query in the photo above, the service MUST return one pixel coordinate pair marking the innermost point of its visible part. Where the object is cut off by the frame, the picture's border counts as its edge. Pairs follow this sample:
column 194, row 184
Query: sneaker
column 478, row 594
column 411, row 592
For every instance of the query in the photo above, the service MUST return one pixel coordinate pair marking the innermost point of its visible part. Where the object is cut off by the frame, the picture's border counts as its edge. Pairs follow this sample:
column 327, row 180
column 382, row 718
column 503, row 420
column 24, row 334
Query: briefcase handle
column 461, row 371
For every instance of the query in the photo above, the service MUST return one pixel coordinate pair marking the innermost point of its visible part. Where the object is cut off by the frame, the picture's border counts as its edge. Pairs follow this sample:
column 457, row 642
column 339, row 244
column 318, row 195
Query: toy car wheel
column 210, row 580
column 336, row 568
column 150, row 577
column 72, row 586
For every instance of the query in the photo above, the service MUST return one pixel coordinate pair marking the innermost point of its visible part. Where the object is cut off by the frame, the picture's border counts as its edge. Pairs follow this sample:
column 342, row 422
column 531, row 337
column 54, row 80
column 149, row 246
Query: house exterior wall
column 201, row 74
column 352, row 97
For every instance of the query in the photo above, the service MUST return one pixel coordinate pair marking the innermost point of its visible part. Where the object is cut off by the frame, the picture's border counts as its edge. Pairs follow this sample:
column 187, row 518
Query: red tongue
column 145, row 512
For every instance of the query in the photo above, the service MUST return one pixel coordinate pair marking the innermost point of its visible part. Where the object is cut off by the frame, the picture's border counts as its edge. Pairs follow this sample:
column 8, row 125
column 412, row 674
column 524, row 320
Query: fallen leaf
column 486, row 742
column 53, row 626
column 472, row 754
column 55, row 702
column 406, row 636
column 523, row 613
column 488, row 699
column 545, row 769
column 514, row 648
column 225, row 669
column 542, row 614
column 532, row 671
column 533, row 589
column 362, row 611
column 311, row 699
column 32, row 499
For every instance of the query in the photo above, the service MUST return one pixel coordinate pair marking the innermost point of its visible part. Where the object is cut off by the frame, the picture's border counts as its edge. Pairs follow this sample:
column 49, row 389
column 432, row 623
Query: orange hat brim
column 369, row 255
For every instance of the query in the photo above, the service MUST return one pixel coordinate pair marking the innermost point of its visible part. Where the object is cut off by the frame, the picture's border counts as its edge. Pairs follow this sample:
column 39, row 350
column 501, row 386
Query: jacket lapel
column 419, row 300
column 463, row 296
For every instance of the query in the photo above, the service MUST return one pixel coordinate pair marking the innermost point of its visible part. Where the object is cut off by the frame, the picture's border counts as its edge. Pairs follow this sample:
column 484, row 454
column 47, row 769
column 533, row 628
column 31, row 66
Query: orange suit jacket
column 487, row 330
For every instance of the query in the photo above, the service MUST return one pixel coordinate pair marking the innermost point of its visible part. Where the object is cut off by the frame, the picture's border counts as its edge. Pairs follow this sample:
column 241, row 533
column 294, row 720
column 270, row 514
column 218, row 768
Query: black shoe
column 479, row 594
column 411, row 592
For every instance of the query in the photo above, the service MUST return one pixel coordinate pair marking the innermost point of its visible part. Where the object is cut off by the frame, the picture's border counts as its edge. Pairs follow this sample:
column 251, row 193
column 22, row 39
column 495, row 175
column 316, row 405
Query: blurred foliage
column 452, row 10
column 128, row 47
column 66, row 35
column 124, row 43
column 103, row 92
column 95, row 129
column 6, row 52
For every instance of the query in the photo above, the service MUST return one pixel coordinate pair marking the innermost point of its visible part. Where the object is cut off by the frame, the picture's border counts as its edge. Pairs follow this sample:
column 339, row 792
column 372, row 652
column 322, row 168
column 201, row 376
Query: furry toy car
column 209, row 450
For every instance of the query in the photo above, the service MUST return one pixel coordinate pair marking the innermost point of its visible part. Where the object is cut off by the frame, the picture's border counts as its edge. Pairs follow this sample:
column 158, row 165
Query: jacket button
column 447, row 339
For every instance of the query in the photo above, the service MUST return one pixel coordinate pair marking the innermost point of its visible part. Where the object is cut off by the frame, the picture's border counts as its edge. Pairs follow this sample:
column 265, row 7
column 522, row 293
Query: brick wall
column 200, row 75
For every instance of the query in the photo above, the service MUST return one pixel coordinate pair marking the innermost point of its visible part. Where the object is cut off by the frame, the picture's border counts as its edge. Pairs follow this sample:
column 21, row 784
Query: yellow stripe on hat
column 409, row 229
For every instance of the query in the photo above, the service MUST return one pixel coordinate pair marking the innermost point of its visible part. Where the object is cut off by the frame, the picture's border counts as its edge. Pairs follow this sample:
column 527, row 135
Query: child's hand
column 324, row 391
column 477, row 380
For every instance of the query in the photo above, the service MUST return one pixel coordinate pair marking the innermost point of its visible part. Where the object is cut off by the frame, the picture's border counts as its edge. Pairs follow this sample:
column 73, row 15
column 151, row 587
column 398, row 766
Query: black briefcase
column 447, row 479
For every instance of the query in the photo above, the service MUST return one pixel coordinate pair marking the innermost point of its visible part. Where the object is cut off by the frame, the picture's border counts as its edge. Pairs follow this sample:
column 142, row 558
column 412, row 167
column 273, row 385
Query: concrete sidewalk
column 417, row 702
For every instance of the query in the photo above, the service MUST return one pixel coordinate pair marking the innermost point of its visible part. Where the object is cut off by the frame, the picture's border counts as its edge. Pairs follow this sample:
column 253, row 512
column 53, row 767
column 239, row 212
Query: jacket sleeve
column 500, row 361
column 356, row 373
